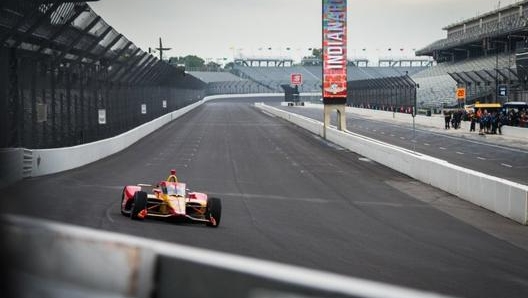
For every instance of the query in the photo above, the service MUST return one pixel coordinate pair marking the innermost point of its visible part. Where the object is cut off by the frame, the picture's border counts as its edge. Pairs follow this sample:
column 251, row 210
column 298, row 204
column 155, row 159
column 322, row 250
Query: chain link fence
column 68, row 78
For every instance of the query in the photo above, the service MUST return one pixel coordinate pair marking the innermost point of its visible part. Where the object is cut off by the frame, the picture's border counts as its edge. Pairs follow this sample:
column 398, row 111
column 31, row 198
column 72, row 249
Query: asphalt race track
column 290, row 197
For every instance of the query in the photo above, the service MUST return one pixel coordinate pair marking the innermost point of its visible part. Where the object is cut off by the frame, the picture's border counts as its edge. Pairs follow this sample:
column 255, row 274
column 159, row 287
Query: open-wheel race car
column 170, row 199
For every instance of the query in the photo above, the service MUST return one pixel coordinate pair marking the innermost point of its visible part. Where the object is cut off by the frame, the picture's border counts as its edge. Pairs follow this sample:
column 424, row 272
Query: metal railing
column 384, row 93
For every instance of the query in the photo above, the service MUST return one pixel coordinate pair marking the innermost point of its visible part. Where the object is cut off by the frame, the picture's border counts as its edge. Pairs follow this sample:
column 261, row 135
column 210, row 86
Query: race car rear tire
column 139, row 203
column 214, row 209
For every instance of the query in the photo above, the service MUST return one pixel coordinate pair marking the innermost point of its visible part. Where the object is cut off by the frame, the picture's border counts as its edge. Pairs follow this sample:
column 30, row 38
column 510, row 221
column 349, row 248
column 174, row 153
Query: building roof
column 487, row 14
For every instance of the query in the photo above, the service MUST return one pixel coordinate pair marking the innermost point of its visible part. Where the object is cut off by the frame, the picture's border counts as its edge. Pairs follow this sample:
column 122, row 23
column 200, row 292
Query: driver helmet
column 171, row 189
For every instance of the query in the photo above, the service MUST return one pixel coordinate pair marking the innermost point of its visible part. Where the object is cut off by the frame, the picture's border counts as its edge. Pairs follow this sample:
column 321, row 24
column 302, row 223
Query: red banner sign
column 296, row 79
column 334, row 51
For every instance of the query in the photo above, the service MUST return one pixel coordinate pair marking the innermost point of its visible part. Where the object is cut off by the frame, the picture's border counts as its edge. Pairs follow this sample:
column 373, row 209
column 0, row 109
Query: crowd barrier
column 504, row 197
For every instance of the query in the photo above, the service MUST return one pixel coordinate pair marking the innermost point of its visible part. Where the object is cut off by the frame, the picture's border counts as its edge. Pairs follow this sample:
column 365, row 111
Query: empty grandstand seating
column 274, row 77
column 214, row 76
column 437, row 87
column 221, row 82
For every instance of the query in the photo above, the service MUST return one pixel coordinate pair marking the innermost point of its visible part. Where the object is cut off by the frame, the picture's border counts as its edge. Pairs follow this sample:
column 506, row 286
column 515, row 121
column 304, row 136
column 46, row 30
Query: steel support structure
column 59, row 31
column 386, row 93
column 130, row 65
column 79, row 38
column 138, row 70
column 39, row 22
column 122, row 64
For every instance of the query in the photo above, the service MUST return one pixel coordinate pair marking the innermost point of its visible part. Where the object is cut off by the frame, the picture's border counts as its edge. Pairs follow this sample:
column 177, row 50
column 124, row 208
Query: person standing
column 447, row 119
column 502, row 120
column 480, row 117
column 473, row 120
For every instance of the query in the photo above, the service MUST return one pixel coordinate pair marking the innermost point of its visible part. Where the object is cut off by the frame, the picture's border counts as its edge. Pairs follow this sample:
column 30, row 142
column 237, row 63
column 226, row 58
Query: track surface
column 290, row 197
column 506, row 160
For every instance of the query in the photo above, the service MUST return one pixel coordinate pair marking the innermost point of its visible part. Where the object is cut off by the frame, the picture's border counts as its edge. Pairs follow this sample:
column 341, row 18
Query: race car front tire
column 214, row 209
column 139, row 203
column 126, row 209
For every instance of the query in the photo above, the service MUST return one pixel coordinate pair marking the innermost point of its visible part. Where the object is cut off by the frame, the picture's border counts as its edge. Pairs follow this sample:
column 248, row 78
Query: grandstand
column 479, row 54
column 214, row 76
column 438, row 84
column 274, row 77
column 271, row 74
column 222, row 82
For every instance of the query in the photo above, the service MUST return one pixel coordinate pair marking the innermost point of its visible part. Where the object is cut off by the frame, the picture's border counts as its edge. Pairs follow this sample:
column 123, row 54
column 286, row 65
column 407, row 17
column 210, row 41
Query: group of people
column 489, row 122
column 517, row 118
column 453, row 118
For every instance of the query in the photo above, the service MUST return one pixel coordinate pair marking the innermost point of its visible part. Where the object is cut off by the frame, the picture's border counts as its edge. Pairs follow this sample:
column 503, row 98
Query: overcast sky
column 223, row 28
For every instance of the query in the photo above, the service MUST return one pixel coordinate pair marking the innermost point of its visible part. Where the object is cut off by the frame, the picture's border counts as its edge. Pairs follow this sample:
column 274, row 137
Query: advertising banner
column 102, row 116
column 334, row 51
column 461, row 94
column 296, row 79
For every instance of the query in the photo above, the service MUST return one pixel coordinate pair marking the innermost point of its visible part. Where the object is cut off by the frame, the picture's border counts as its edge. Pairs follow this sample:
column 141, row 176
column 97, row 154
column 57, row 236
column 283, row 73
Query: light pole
column 416, row 86
column 161, row 49
column 496, row 72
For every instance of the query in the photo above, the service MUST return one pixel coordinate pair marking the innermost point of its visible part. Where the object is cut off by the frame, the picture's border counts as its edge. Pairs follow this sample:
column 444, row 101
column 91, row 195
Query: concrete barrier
column 518, row 132
column 45, row 259
column 504, row 197
column 49, row 161
column 11, row 169
column 19, row 163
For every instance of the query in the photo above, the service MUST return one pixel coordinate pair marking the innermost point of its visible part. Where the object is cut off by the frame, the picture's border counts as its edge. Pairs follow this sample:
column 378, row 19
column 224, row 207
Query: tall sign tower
column 334, row 61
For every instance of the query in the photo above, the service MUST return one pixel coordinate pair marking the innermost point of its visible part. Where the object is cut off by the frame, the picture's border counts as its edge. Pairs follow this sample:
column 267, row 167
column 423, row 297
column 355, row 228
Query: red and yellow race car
column 170, row 199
